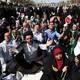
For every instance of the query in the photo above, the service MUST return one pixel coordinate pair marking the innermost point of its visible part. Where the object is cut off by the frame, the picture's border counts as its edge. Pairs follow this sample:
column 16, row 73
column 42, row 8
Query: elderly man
column 7, row 49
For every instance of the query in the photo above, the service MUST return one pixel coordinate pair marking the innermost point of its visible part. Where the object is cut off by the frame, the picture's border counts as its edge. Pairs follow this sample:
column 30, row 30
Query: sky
column 56, row 1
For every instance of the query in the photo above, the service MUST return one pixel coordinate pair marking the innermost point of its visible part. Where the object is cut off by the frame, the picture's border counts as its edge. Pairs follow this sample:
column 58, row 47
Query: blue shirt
column 38, row 36
column 50, row 35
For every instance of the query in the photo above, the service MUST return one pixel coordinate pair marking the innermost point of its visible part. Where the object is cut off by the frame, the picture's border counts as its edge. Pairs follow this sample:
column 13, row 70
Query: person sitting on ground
column 56, row 66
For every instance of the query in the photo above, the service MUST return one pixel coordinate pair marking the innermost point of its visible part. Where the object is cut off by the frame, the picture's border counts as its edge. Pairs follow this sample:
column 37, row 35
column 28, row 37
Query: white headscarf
column 77, row 49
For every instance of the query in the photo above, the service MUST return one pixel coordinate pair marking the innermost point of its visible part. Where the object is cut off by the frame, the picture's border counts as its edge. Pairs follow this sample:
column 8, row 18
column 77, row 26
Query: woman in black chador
column 57, row 66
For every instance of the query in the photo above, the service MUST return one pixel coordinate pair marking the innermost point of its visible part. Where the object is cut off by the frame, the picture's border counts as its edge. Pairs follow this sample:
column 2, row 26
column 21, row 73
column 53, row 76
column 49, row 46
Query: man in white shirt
column 7, row 49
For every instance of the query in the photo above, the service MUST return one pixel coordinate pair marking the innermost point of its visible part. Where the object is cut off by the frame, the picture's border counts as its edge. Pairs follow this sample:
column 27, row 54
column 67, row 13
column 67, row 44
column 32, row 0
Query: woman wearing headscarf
column 76, row 68
column 56, row 66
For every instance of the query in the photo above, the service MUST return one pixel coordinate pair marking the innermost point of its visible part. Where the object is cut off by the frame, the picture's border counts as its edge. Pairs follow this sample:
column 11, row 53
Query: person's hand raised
column 54, row 69
column 49, row 42
column 64, row 69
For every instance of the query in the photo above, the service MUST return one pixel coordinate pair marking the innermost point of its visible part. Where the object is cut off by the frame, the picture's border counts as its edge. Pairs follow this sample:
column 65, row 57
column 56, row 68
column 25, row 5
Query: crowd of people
column 42, row 40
